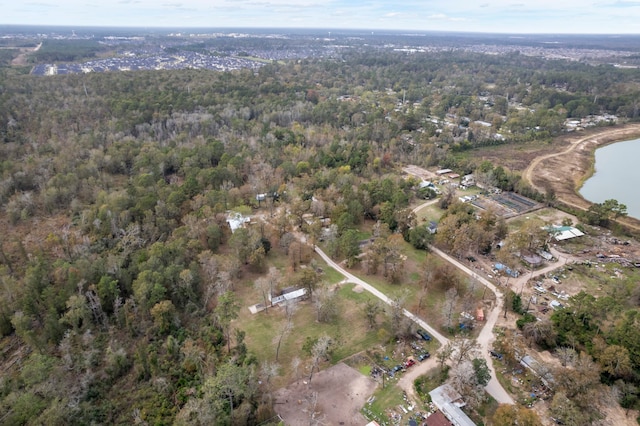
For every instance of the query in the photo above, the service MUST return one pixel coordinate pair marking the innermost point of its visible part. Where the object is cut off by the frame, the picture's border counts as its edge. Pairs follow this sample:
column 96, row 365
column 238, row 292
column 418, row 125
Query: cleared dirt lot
column 341, row 392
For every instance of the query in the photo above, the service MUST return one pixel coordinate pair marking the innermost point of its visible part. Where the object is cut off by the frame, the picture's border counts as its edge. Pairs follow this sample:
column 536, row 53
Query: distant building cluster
column 133, row 61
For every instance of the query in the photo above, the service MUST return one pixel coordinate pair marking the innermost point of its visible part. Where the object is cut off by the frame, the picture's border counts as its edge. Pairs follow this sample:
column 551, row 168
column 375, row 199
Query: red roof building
column 438, row 419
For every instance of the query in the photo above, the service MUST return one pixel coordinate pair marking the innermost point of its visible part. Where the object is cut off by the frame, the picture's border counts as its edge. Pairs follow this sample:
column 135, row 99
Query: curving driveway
column 484, row 339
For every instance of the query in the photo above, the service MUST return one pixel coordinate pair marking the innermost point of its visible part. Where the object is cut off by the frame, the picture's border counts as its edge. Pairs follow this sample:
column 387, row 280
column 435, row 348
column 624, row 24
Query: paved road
column 371, row 289
column 493, row 388
column 486, row 337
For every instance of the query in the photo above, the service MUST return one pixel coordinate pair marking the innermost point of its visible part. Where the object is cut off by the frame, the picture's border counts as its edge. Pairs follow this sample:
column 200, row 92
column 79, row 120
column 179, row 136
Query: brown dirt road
column 565, row 171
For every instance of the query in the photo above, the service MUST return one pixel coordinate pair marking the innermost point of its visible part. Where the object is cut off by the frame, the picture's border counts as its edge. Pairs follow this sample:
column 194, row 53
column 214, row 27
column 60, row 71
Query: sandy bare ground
column 21, row 59
column 565, row 170
column 341, row 393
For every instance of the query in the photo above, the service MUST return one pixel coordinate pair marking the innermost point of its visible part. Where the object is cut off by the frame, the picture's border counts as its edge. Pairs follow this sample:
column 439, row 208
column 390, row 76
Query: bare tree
column 464, row 380
column 285, row 328
column 444, row 354
column 400, row 324
column 210, row 267
column 540, row 332
column 315, row 417
column 93, row 301
column 448, row 196
column 485, row 180
column 319, row 352
column 326, row 303
column 266, row 285
column 295, row 366
column 464, row 349
column 268, row 371
column 567, row 355
column 262, row 285
column 450, row 300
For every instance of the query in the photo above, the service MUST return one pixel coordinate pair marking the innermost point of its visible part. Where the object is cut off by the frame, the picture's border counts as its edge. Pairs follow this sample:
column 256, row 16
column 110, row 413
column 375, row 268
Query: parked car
column 409, row 362
column 423, row 334
column 496, row 355
column 423, row 356
column 555, row 304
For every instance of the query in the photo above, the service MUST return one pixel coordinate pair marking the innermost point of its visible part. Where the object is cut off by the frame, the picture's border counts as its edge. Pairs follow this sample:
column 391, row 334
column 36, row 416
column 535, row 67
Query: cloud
column 624, row 3
column 284, row 3
column 443, row 17
column 36, row 4
column 603, row 16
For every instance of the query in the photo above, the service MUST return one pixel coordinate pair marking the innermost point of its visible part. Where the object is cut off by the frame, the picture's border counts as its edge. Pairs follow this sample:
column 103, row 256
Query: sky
column 502, row 16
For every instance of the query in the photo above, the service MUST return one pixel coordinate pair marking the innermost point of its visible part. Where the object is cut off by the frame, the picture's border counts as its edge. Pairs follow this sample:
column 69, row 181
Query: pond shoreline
column 565, row 171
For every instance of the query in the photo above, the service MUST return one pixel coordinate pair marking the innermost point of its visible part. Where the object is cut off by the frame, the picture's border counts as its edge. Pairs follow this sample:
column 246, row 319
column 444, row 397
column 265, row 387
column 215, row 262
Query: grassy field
column 430, row 381
column 350, row 331
column 389, row 397
column 330, row 275
column 429, row 213
column 431, row 307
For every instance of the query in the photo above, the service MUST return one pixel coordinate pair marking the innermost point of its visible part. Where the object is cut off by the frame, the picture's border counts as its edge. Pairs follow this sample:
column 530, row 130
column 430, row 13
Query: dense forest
column 117, row 264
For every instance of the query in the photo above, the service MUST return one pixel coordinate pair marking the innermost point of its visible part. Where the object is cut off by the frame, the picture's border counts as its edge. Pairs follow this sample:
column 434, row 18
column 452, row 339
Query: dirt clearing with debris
column 334, row 396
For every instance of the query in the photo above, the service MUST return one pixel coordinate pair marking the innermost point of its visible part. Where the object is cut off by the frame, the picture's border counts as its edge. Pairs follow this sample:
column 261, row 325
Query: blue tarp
column 506, row 269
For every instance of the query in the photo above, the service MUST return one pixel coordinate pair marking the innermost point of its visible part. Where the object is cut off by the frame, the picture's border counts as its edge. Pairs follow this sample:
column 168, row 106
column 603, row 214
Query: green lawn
column 330, row 275
column 278, row 259
column 428, row 382
column 350, row 331
column 390, row 396
column 361, row 297
column 431, row 307
column 365, row 370
column 429, row 213
column 414, row 255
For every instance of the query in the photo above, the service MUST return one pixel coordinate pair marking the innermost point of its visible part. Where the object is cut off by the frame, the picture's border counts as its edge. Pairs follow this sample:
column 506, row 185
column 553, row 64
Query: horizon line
column 324, row 29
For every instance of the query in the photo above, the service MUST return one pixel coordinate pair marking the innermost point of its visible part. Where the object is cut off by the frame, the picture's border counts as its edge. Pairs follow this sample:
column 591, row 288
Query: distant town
column 132, row 50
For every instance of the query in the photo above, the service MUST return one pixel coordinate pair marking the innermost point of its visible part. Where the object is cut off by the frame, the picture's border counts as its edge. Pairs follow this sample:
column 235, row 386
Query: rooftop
column 449, row 401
